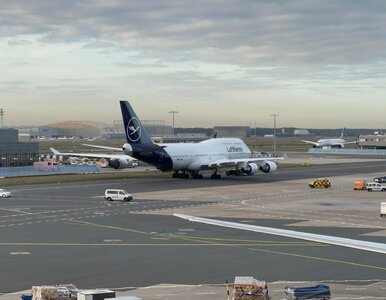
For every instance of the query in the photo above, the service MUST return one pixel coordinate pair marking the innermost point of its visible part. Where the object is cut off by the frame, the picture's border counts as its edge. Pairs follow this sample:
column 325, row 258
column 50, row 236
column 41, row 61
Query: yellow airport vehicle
column 320, row 183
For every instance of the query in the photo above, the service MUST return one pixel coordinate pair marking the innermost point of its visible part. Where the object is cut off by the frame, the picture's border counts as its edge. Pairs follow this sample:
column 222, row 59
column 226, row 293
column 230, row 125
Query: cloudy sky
column 222, row 62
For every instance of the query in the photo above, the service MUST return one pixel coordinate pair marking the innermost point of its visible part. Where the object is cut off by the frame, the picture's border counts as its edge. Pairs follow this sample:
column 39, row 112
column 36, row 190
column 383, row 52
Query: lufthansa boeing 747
column 188, row 159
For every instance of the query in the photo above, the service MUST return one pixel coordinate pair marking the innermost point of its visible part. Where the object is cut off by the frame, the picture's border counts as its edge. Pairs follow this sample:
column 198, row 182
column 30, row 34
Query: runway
column 61, row 233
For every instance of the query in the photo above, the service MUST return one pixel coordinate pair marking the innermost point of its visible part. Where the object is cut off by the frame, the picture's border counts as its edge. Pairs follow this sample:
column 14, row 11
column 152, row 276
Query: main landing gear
column 185, row 174
column 195, row 175
column 215, row 175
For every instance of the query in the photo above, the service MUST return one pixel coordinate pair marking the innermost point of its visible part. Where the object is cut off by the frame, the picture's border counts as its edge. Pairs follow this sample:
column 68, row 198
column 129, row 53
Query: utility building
column 13, row 153
column 376, row 141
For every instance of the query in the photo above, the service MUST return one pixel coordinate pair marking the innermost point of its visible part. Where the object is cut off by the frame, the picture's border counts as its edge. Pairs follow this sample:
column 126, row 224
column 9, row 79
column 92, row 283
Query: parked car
column 112, row 194
column 375, row 186
column 381, row 179
column 4, row 193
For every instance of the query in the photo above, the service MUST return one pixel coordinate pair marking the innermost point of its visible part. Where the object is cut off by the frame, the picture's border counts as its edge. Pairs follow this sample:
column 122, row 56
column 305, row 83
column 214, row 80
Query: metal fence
column 347, row 151
column 54, row 170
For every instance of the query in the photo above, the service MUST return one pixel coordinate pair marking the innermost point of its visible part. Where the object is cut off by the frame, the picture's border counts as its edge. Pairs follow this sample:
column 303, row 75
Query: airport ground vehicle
column 383, row 209
column 360, row 185
column 112, row 194
column 4, row 193
column 375, row 186
column 381, row 179
column 320, row 183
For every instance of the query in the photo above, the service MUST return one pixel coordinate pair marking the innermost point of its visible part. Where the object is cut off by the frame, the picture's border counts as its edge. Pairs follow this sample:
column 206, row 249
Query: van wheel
column 125, row 199
column 109, row 199
column 369, row 190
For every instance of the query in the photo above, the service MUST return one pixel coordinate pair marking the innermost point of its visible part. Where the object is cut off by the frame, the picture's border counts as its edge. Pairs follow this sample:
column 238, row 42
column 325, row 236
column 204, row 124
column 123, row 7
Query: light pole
column 173, row 112
column 2, row 111
column 274, row 133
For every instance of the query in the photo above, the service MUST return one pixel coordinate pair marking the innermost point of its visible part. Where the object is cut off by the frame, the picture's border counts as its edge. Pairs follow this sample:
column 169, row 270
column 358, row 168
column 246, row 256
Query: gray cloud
column 18, row 42
column 238, row 32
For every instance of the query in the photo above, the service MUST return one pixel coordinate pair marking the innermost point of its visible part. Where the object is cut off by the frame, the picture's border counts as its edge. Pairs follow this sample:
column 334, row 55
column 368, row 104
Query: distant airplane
column 330, row 143
column 188, row 159
column 325, row 239
column 115, row 161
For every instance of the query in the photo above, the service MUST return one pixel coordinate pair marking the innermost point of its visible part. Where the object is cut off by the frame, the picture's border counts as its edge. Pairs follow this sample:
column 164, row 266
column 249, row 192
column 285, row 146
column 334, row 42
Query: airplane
column 188, row 159
column 330, row 143
column 325, row 239
column 115, row 161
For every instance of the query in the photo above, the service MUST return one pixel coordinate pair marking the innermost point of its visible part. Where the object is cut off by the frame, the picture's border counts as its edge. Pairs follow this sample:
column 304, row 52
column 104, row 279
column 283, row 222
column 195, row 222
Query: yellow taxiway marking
column 205, row 241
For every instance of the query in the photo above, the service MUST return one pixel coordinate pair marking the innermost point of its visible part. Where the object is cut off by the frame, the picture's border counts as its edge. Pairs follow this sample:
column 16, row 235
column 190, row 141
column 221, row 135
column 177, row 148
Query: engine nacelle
column 337, row 146
column 127, row 149
column 268, row 166
column 250, row 169
column 118, row 163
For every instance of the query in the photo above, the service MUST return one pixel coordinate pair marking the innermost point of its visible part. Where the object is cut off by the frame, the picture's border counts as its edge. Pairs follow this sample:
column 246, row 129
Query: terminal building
column 14, row 153
column 233, row 131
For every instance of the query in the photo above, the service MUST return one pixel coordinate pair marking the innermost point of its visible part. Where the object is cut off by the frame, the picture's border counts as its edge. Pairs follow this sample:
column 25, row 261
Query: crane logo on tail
column 133, row 130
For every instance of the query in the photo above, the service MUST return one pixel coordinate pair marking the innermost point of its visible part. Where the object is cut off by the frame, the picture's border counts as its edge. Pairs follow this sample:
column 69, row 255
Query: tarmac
column 67, row 233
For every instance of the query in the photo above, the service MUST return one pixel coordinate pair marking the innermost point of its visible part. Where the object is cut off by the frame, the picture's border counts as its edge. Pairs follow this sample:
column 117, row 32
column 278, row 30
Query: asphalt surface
column 67, row 233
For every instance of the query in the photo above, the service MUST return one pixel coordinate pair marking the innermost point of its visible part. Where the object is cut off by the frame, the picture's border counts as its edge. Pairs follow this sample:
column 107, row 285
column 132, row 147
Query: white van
column 375, row 186
column 112, row 195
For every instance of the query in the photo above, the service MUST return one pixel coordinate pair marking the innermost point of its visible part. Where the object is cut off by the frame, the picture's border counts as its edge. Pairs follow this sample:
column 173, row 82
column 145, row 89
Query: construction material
column 249, row 288
column 320, row 292
column 51, row 292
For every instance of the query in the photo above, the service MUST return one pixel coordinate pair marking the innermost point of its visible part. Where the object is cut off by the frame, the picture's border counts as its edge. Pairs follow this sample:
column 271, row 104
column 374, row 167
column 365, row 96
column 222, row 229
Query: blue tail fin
column 134, row 130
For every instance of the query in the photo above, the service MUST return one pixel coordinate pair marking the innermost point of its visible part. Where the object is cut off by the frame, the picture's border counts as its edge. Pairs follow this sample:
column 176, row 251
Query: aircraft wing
column 355, row 142
column 92, row 155
column 309, row 142
column 325, row 239
column 103, row 147
column 222, row 163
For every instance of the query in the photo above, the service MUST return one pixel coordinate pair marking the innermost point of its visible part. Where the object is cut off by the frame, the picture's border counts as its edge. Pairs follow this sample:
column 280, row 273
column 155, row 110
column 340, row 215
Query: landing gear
column 196, row 175
column 235, row 172
column 185, row 174
column 215, row 175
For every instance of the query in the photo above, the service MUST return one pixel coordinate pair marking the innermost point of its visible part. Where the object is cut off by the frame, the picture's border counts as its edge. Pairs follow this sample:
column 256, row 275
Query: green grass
column 79, row 177
column 103, row 176
column 286, row 165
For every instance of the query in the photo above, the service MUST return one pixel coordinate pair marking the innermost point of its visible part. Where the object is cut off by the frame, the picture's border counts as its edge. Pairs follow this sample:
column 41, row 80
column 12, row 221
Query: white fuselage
column 331, row 143
column 195, row 156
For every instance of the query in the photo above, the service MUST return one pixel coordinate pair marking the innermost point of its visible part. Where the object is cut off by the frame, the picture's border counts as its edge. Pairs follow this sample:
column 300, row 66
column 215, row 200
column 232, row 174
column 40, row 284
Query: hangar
column 13, row 153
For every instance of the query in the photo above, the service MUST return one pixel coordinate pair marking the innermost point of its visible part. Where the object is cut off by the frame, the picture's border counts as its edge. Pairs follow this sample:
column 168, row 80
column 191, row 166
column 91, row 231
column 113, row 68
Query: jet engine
column 250, row 169
column 127, row 149
column 338, row 146
column 118, row 163
column 268, row 166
